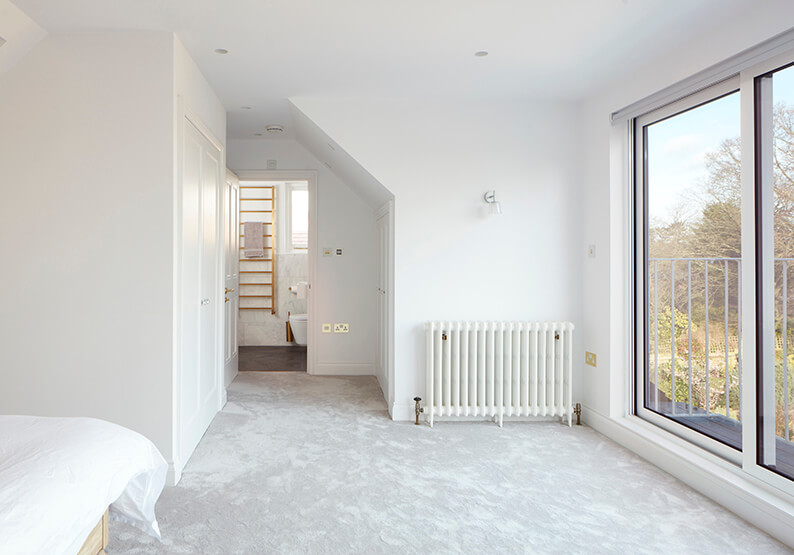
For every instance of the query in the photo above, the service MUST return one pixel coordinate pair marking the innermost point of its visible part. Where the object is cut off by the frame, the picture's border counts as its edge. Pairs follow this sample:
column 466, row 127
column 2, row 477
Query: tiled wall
column 259, row 327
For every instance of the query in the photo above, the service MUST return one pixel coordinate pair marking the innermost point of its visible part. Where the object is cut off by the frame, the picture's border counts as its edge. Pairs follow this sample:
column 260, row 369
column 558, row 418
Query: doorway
column 274, row 314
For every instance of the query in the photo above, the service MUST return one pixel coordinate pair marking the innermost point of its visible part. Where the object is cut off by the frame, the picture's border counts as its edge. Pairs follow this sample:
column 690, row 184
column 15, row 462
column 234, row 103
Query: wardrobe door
column 200, row 370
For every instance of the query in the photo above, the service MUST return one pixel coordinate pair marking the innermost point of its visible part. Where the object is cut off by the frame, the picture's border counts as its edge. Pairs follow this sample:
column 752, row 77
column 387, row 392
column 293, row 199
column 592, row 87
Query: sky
column 677, row 148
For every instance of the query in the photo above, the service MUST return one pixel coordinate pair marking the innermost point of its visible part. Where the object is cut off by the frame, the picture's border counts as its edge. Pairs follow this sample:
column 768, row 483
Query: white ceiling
column 284, row 48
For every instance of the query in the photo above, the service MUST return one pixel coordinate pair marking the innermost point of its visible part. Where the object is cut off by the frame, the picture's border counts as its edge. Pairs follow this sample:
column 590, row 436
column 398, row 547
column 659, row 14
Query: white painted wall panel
column 86, row 173
column 452, row 260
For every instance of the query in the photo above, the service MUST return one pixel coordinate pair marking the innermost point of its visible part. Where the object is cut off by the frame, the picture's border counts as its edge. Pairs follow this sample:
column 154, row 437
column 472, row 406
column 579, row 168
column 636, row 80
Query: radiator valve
column 577, row 410
column 419, row 410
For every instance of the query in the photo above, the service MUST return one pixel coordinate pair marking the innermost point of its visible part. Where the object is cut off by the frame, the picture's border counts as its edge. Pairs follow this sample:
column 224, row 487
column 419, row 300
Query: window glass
column 692, row 233
column 299, row 218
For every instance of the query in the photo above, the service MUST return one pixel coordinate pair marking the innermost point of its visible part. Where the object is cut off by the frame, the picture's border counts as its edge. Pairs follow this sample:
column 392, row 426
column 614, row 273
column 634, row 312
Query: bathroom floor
column 273, row 359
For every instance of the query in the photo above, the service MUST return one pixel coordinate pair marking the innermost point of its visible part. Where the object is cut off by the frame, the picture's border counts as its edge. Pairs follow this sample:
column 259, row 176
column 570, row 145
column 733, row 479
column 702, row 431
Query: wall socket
column 341, row 328
column 326, row 328
column 590, row 358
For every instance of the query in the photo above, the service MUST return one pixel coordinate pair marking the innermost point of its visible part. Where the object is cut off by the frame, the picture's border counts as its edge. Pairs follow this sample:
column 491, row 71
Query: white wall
column 20, row 34
column 604, row 220
column 86, row 171
column 452, row 260
column 346, row 286
column 191, row 85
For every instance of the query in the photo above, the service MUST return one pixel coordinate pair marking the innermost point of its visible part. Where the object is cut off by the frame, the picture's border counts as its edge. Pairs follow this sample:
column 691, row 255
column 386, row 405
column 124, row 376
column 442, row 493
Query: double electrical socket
column 338, row 328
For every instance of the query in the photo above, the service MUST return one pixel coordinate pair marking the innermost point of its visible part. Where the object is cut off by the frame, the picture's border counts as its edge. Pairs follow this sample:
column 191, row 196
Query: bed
column 61, row 479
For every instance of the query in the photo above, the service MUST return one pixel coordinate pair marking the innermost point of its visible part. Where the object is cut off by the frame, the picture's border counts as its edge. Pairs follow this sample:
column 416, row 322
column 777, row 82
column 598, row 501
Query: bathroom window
column 298, row 222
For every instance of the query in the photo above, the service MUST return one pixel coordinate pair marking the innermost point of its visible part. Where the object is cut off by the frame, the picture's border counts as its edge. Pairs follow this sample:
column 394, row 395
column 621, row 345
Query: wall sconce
column 494, row 207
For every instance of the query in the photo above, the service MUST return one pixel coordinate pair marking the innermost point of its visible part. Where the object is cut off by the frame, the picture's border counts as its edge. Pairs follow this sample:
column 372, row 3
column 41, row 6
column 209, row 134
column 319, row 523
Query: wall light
column 494, row 207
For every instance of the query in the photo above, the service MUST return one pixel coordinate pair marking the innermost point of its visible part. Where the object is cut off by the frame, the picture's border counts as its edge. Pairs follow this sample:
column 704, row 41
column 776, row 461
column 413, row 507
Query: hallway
column 305, row 464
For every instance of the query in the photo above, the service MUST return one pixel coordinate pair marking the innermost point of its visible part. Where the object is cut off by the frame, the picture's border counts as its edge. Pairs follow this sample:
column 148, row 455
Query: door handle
column 226, row 299
column 229, row 290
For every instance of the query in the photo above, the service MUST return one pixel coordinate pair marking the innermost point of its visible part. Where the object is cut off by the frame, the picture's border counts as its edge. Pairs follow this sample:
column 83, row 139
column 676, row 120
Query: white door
column 199, row 379
column 232, row 277
column 384, row 246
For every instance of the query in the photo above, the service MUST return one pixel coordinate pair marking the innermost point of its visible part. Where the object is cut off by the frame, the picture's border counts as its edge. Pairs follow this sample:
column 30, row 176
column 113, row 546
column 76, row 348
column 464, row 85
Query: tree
column 714, row 231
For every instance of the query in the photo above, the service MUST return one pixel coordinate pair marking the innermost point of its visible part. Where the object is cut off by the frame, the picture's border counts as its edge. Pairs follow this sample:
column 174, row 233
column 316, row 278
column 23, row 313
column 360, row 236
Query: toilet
column 299, row 324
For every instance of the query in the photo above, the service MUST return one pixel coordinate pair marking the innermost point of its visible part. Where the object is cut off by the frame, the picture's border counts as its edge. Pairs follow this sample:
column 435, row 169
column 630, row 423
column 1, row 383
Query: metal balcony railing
column 668, row 267
column 721, row 349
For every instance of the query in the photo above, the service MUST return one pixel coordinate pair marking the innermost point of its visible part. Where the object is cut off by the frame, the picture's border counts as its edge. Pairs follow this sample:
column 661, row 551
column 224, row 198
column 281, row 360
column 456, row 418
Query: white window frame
column 750, row 433
column 688, row 103
column 743, row 81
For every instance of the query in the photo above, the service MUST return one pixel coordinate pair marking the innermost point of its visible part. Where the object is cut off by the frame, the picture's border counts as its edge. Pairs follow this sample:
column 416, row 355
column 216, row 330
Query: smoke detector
column 275, row 129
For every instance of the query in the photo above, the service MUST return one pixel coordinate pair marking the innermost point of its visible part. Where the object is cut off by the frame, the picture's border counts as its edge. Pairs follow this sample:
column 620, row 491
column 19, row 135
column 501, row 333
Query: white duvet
column 58, row 475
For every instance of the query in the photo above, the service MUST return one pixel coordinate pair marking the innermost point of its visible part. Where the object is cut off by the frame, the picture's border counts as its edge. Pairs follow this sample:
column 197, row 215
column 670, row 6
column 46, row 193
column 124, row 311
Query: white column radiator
column 499, row 369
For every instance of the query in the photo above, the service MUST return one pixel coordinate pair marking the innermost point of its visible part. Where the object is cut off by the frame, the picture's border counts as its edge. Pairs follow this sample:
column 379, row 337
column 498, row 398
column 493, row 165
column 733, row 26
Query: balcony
column 694, row 350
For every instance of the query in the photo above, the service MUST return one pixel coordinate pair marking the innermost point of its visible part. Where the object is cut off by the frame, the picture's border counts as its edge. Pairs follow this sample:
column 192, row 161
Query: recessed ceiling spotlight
column 259, row 134
column 481, row 53
column 274, row 128
column 221, row 51
column 245, row 107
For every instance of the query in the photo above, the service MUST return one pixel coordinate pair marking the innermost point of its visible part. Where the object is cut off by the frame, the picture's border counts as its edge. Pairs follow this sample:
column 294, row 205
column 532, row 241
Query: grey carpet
column 305, row 464
column 268, row 359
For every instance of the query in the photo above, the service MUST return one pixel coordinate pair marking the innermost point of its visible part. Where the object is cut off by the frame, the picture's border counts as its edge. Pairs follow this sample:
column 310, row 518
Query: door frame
column 231, row 181
column 387, row 210
column 186, row 115
column 310, row 177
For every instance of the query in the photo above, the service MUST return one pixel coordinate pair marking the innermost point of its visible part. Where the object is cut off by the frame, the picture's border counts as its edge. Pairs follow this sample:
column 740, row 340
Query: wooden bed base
column 98, row 538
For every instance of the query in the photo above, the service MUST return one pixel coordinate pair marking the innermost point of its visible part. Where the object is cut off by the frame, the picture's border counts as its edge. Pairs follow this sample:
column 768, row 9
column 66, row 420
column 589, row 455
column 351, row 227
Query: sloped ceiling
column 350, row 172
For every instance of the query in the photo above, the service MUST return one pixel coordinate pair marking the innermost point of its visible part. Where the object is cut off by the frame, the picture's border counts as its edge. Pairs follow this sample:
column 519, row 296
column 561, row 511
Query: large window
column 714, row 267
column 691, row 175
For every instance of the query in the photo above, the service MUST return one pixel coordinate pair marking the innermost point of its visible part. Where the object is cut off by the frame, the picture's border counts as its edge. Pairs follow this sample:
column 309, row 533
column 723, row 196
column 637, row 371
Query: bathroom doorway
column 277, row 232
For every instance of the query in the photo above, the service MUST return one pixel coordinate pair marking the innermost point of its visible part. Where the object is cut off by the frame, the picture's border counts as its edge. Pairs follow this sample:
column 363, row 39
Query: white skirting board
column 402, row 411
column 713, row 477
column 173, row 476
column 344, row 369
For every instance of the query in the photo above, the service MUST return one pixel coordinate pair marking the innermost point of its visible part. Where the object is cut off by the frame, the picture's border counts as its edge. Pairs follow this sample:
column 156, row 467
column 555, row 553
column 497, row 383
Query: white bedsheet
column 58, row 475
